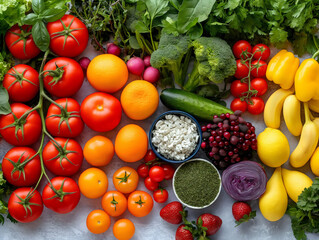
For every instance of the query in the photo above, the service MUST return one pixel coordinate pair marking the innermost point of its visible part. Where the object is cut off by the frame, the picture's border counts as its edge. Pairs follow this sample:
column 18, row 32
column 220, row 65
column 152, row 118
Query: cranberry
column 252, row 129
column 211, row 154
column 247, row 136
column 211, row 138
column 236, row 128
column 203, row 145
column 226, row 135
column 204, row 128
column 221, row 144
column 230, row 154
column 215, row 116
column 222, row 116
column 209, row 125
column 214, row 143
column 218, row 138
column 227, row 115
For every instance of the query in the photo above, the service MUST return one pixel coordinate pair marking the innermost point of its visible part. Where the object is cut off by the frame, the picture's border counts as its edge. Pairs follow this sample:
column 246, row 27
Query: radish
column 84, row 63
column 147, row 61
column 151, row 74
column 113, row 49
column 135, row 65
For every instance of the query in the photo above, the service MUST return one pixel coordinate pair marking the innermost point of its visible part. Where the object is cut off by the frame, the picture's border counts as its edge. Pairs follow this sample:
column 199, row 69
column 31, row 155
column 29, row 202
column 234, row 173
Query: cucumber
column 191, row 103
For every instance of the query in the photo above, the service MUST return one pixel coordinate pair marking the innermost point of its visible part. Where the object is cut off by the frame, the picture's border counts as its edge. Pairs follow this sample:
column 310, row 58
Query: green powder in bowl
column 197, row 183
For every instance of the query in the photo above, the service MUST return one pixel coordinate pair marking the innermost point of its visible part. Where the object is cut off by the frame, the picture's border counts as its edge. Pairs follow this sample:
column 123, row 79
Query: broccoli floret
column 214, row 62
column 170, row 53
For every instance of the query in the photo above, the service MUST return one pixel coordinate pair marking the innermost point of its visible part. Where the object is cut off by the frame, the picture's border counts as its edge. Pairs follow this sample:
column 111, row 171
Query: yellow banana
column 291, row 112
column 314, row 105
column 307, row 143
column 273, row 107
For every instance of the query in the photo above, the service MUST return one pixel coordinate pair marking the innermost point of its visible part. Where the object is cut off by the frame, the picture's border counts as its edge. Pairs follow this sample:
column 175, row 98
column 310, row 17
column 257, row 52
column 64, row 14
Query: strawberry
column 242, row 212
column 211, row 222
column 172, row 212
column 182, row 233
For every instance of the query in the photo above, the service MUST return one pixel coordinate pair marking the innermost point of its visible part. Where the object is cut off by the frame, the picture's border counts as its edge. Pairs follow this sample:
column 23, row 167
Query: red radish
column 151, row 75
column 84, row 63
column 135, row 66
column 113, row 49
column 147, row 61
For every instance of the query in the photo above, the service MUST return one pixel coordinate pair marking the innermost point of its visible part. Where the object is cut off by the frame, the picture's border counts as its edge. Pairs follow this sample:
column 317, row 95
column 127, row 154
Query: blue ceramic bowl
column 179, row 113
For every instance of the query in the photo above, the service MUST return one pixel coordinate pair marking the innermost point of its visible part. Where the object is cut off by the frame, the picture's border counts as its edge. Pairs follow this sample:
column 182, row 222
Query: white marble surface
column 51, row 226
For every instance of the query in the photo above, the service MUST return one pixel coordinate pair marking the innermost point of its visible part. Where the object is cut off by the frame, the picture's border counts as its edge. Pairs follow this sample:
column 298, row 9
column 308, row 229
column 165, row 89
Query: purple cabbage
column 245, row 181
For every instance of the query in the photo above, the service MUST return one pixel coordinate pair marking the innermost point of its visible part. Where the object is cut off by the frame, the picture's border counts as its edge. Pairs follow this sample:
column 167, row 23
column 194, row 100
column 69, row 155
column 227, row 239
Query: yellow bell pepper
column 307, row 81
column 282, row 69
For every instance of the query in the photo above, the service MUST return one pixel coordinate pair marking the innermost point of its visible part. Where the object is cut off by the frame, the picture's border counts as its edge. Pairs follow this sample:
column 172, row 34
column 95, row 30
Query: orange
column 131, row 143
column 123, row 229
column 98, row 151
column 98, row 221
column 93, row 183
column 139, row 99
column 107, row 73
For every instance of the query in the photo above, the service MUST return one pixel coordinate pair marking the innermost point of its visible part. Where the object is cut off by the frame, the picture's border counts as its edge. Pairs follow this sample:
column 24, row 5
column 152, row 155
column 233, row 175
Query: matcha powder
column 197, row 183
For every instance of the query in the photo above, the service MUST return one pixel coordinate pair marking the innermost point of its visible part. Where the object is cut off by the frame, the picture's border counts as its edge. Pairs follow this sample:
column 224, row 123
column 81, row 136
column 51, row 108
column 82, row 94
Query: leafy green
column 5, row 190
column 6, row 62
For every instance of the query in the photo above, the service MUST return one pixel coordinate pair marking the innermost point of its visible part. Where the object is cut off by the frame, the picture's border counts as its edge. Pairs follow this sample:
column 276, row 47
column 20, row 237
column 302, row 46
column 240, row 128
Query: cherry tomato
column 25, row 204
column 62, row 196
column 259, row 68
column 101, row 111
column 160, row 195
column 140, row 203
column 237, row 104
column 237, row 88
column 63, row 77
column 260, row 85
column 241, row 46
column 150, row 184
column 69, row 36
column 143, row 170
column 242, row 69
column 125, row 179
column 114, row 203
column 157, row 173
column 18, row 130
column 63, row 156
column 261, row 51
column 149, row 156
column 123, row 229
column 98, row 221
column 21, row 166
column 64, row 121
column 20, row 43
column 257, row 107
column 168, row 171
column 93, row 183
column 22, row 83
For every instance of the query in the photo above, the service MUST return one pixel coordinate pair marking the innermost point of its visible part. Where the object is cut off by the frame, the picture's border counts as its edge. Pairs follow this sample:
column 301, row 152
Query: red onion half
column 245, row 180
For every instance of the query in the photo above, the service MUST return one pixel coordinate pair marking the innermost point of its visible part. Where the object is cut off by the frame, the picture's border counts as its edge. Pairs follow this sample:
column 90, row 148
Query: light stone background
column 54, row 226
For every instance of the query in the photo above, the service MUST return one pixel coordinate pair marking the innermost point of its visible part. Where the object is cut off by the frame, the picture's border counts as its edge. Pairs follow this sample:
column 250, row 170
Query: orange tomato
column 93, row 183
column 125, row 179
column 98, row 221
column 114, row 203
column 98, row 151
column 140, row 203
column 123, row 229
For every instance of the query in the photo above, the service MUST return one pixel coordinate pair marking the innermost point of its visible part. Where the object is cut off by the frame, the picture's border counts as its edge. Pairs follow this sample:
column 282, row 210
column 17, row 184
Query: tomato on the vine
column 20, row 43
column 19, row 129
column 63, row 77
column 64, row 120
column 93, row 183
column 114, row 203
column 237, row 104
column 260, row 85
column 125, row 179
column 237, row 88
column 140, row 203
column 149, row 156
column 63, row 156
column 62, row 196
column 69, row 36
column 25, row 204
column 168, row 171
column 242, row 69
column 143, row 170
column 160, row 195
column 261, row 51
column 21, row 166
column 259, row 68
column 157, row 173
column 241, row 46
column 257, row 106
column 22, row 83
column 150, row 184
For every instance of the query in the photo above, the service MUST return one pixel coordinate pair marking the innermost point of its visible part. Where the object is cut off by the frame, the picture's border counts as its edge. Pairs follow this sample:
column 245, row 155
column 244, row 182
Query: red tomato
column 25, row 204
column 101, row 111
column 237, row 88
column 241, row 46
column 22, row 83
column 143, row 170
column 157, row 173
column 149, row 156
column 257, row 106
column 259, row 68
column 168, row 171
column 237, row 104
column 65, row 121
column 20, row 131
column 65, row 196
column 20, row 43
column 150, row 184
column 63, row 157
column 21, row 167
column 160, row 195
column 65, row 80
column 261, row 51
column 69, row 36
column 260, row 85
column 242, row 70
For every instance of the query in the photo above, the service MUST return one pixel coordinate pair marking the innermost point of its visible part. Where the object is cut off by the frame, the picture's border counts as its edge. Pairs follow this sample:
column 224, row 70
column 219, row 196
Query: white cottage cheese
column 175, row 137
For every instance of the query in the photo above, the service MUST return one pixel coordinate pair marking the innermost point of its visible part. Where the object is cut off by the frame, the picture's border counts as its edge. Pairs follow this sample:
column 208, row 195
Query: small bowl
column 173, row 112
column 217, row 195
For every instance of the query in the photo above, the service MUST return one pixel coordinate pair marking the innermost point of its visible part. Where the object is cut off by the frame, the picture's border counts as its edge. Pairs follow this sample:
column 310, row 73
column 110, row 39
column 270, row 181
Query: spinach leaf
column 156, row 8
